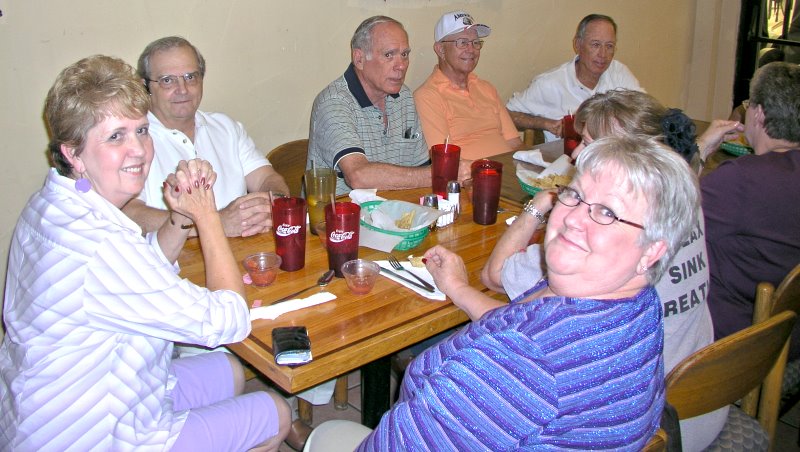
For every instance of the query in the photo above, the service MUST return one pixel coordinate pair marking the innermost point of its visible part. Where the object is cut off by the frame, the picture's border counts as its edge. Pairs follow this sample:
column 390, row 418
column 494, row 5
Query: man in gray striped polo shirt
column 364, row 124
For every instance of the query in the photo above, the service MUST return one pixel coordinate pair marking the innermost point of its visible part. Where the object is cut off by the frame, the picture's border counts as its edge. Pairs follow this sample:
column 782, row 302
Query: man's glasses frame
column 171, row 81
column 461, row 43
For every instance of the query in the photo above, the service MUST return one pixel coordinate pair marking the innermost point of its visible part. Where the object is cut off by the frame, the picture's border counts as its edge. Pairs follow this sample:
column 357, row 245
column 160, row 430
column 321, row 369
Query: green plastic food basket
column 410, row 240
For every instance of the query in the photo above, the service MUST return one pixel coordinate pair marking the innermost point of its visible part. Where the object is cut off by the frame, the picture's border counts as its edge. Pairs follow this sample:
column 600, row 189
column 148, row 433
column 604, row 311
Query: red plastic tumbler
column 341, row 227
column 486, row 178
column 571, row 138
column 289, row 230
column 444, row 166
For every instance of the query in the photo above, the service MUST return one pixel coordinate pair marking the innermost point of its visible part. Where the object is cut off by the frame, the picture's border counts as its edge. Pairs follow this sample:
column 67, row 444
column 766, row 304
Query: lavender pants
column 217, row 420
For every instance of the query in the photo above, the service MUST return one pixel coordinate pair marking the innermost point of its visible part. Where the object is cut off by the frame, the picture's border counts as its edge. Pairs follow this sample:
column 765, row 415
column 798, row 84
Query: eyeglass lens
column 171, row 81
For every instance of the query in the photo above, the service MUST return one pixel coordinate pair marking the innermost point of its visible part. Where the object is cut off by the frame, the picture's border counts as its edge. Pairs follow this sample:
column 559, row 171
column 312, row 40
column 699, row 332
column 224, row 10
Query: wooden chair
column 532, row 137
column 289, row 160
column 658, row 443
column 768, row 302
column 727, row 370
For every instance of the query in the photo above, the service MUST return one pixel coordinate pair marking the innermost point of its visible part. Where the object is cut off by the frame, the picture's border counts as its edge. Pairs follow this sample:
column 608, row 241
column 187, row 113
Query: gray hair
column 362, row 38
column 159, row 45
column 776, row 88
column 580, row 32
column 662, row 177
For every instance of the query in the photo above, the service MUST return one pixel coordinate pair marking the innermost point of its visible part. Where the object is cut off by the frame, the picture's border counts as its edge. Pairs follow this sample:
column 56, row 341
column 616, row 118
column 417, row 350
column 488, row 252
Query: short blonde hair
column 84, row 94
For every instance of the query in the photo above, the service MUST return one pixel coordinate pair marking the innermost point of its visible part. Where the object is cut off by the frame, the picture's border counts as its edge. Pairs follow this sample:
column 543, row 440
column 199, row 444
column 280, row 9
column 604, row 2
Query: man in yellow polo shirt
column 453, row 102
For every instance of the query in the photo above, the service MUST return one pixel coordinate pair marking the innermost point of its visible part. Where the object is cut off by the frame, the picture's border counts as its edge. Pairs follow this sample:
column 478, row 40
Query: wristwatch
column 531, row 209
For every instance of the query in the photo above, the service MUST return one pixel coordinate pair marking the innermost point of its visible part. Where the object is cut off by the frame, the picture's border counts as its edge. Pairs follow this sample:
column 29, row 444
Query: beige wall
column 267, row 59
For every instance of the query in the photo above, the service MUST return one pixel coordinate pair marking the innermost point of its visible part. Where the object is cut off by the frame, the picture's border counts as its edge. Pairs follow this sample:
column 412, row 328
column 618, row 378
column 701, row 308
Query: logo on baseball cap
column 456, row 22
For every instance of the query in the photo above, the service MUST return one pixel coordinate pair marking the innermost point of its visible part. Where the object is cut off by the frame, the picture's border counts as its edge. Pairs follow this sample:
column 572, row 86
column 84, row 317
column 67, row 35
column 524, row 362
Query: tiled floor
column 786, row 435
column 787, row 431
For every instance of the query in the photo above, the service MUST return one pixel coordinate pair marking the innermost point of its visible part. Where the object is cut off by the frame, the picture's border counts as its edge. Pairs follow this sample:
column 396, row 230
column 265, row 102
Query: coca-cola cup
column 486, row 178
column 571, row 138
column 289, row 229
column 444, row 166
column 341, row 228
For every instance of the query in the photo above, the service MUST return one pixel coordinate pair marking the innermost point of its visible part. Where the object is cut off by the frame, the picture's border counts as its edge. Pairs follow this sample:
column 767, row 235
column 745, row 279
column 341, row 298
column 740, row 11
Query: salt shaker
column 431, row 201
column 453, row 195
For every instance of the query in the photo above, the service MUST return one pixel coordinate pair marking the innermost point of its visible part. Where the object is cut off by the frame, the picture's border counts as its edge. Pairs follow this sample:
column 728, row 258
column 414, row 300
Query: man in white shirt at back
column 560, row 91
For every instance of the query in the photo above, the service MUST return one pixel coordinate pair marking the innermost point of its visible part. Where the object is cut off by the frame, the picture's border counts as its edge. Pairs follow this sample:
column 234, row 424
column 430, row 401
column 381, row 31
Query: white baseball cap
column 456, row 22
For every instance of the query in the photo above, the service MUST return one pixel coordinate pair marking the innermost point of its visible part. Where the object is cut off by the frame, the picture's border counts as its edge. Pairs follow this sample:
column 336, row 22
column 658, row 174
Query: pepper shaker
column 431, row 200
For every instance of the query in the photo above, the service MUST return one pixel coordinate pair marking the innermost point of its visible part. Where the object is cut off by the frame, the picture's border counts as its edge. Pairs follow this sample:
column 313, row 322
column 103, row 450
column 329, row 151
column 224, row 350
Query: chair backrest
column 770, row 301
column 728, row 369
column 658, row 443
column 289, row 160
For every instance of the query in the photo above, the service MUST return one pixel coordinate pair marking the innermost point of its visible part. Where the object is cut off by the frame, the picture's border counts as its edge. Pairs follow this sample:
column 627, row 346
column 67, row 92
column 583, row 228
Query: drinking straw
column 314, row 167
column 445, row 142
column 333, row 204
column 271, row 202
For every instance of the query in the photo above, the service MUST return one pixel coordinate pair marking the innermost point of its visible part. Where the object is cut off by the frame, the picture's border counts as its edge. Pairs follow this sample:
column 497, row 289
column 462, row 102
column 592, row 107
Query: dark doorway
column 769, row 30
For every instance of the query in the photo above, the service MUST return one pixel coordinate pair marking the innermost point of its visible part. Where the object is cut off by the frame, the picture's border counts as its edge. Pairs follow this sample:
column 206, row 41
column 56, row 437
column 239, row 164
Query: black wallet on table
column 291, row 345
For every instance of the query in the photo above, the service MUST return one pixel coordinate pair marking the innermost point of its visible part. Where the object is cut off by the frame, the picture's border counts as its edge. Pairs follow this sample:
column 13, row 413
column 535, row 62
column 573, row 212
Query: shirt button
column 184, row 141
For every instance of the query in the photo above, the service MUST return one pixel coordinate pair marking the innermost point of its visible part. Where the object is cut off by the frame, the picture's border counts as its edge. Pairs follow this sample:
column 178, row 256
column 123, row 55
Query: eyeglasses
column 597, row 45
column 461, row 43
column 171, row 81
column 599, row 213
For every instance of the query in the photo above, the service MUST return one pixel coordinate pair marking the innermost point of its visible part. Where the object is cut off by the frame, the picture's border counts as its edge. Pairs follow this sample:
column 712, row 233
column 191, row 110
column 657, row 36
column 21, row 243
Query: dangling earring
column 82, row 184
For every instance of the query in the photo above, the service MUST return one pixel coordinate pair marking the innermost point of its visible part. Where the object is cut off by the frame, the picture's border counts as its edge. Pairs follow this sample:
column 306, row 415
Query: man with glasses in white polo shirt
column 173, row 69
column 559, row 91
column 453, row 102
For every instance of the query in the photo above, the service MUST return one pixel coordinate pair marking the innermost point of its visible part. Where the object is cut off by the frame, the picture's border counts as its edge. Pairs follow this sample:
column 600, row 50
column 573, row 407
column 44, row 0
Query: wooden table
column 354, row 331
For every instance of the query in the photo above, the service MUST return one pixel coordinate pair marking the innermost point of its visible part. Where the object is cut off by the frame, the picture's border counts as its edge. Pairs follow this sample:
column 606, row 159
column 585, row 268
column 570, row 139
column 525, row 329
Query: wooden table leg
column 340, row 393
column 375, row 391
column 305, row 411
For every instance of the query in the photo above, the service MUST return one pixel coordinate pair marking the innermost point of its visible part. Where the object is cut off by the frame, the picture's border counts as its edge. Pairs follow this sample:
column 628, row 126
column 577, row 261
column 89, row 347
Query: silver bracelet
column 531, row 209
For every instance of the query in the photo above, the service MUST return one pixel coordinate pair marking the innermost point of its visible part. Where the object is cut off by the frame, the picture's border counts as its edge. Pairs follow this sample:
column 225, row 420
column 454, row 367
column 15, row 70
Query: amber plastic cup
column 486, row 178
column 571, row 137
column 289, row 230
column 320, row 186
column 444, row 166
column 341, row 228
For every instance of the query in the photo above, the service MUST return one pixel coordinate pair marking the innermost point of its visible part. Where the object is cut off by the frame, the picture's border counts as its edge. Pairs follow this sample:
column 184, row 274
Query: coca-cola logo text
column 338, row 236
column 285, row 230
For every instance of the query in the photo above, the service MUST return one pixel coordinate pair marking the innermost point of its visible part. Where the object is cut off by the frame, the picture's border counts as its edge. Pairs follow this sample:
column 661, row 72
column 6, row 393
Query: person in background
column 173, row 71
column 751, row 203
column 454, row 103
column 534, row 373
column 560, row 91
column 92, row 306
column 683, row 289
column 365, row 124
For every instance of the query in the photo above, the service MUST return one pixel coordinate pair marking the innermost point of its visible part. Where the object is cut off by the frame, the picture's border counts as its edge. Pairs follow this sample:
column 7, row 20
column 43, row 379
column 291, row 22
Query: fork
column 398, row 266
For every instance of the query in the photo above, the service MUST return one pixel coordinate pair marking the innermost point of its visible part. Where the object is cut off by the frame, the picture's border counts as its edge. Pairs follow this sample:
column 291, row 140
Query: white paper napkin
column 378, row 240
column 272, row 312
column 561, row 165
column 533, row 156
column 422, row 272
column 361, row 195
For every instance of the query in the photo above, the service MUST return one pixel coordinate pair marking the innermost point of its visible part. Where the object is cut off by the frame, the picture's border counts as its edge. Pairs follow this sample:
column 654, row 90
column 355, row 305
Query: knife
column 413, row 283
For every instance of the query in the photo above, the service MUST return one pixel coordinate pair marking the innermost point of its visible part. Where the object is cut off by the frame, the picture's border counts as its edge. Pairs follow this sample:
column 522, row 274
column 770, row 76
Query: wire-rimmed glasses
column 461, row 43
column 599, row 213
column 171, row 81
